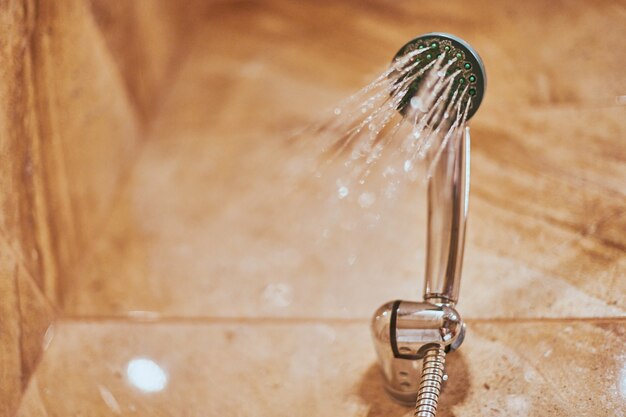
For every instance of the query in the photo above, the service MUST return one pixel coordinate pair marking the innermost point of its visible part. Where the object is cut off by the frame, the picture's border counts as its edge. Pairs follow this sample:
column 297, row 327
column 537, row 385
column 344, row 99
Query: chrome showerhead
column 464, row 60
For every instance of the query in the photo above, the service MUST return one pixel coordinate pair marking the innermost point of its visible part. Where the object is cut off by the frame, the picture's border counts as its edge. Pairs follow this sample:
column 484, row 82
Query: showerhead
column 466, row 60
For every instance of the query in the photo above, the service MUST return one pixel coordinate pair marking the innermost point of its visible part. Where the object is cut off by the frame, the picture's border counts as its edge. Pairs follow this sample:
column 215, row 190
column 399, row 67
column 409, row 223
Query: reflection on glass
column 146, row 375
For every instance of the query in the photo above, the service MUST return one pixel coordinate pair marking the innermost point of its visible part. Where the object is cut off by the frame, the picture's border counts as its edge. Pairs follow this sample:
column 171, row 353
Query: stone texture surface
column 216, row 198
column 147, row 41
column 25, row 315
column 87, row 126
column 153, row 192
column 320, row 368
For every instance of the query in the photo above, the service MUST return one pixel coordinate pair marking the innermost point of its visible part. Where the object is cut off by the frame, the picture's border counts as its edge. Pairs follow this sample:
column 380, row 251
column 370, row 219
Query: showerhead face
column 467, row 62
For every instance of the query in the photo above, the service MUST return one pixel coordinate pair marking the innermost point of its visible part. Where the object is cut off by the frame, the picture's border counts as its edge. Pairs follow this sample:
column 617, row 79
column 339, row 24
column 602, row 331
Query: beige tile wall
column 69, row 130
column 25, row 313
column 142, row 176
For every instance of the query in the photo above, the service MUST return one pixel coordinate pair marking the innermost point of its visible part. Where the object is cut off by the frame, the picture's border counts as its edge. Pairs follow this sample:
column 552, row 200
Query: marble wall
column 144, row 212
column 73, row 105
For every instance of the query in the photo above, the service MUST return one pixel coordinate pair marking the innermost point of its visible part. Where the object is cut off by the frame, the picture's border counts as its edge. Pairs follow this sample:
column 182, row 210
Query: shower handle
column 448, row 200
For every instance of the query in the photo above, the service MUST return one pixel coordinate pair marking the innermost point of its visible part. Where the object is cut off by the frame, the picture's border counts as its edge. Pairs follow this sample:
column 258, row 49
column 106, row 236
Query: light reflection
column 278, row 294
column 146, row 375
column 144, row 315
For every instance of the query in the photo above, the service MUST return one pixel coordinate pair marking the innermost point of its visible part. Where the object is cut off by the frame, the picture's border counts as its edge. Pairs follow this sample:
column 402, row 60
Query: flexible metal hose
column 430, row 382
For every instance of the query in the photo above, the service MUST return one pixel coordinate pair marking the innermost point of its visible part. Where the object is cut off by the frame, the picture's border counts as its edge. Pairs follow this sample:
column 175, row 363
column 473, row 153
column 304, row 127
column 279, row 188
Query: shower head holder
column 404, row 332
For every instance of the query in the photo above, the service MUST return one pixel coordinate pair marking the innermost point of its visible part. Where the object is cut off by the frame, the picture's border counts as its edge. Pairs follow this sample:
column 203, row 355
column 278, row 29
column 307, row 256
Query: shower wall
column 77, row 87
column 116, row 114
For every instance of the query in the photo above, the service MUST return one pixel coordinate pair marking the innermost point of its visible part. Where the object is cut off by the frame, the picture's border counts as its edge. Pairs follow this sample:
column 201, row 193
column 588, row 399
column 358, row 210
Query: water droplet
column 388, row 172
column 337, row 111
column 417, row 134
column 375, row 153
column 441, row 73
column 367, row 199
column 417, row 103
column 408, row 165
column 391, row 189
column 372, row 126
column 343, row 192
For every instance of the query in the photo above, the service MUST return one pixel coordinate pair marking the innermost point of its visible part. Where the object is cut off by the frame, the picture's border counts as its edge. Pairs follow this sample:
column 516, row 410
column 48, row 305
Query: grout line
column 204, row 320
column 533, row 320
